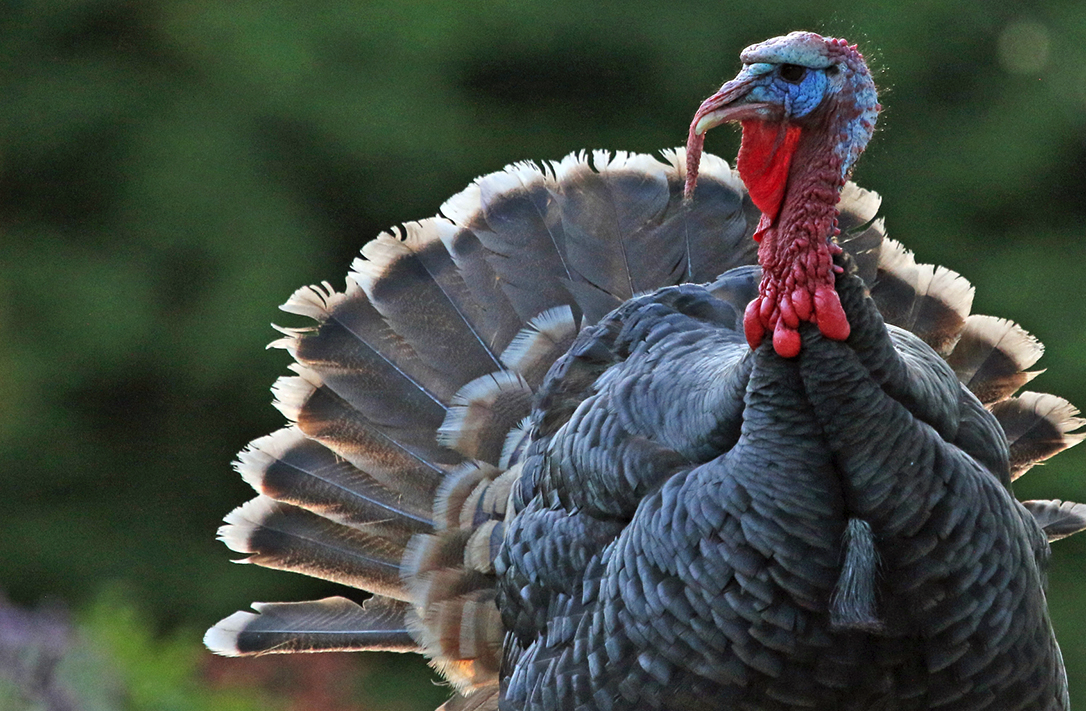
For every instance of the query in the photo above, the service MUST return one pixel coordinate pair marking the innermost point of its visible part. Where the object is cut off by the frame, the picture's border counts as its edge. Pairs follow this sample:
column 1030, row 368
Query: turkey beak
column 731, row 103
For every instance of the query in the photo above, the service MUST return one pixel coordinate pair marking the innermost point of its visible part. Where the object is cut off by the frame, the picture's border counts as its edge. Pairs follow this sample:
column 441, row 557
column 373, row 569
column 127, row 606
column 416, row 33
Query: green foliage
column 170, row 171
column 157, row 672
column 109, row 660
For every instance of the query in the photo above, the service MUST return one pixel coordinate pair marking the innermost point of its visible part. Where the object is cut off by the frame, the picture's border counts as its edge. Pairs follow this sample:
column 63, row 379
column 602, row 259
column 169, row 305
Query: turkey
column 622, row 433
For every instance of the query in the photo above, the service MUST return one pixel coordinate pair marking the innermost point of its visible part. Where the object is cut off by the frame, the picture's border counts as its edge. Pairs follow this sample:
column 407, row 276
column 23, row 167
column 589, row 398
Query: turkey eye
column 793, row 73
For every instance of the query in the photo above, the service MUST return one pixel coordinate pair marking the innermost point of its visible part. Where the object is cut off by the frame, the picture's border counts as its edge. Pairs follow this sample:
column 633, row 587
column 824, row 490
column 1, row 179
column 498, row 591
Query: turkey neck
column 807, row 216
column 799, row 219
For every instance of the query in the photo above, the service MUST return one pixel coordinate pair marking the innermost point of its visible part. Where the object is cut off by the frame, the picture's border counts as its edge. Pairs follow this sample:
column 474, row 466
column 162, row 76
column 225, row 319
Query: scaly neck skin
column 795, row 250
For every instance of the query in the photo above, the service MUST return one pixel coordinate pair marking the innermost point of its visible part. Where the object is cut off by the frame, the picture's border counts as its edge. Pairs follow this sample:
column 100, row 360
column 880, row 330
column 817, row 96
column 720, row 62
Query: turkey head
column 807, row 105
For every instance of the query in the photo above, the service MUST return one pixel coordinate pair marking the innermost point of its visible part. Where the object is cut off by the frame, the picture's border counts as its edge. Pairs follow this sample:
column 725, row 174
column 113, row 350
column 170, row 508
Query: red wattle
column 764, row 158
column 788, row 313
column 801, row 302
column 829, row 315
column 785, row 340
column 752, row 323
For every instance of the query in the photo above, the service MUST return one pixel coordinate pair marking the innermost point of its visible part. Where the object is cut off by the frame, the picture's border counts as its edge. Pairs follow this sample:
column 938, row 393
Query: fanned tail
column 409, row 395
column 932, row 302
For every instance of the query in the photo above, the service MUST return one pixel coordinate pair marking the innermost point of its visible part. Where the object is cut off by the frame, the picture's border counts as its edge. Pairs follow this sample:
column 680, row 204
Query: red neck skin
column 795, row 180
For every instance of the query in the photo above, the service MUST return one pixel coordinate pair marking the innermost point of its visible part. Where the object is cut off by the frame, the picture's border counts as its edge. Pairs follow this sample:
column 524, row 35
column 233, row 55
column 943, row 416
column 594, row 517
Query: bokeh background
column 171, row 170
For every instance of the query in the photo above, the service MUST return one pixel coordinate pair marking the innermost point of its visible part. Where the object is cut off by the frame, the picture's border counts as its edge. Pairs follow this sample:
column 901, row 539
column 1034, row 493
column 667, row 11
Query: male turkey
column 563, row 455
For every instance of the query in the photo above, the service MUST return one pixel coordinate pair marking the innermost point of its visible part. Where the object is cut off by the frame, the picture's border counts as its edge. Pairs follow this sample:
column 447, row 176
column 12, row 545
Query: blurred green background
column 171, row 170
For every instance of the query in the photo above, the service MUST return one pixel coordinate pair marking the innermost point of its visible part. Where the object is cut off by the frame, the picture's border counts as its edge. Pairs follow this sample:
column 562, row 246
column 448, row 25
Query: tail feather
column 489, row 500
column 865, row 246
column 413, row 283
column 450, row 576
column 861, row 234
column 480, row 630
column 356, row 335
column 333, row 624
column 485, row 699
column 932, row 302
column 473, row 263
column 440, row 551
column 442, row 584
column 992, row 356
column 1038, row 426
column 510, row 213
column 608, row 215
column 372, row 385
column 716, row 224
column 409, row 466
column 473, row 495
column 291, row 468
column 483, row 412
column 602, row 234
column 453, row 493
column 540, row 344
column 286, row 537
column 857, row 207
column 463, row 636
column 591, row 301
column 1058, row 519
column 516, row 443
column 454, row 616
column 482, row 548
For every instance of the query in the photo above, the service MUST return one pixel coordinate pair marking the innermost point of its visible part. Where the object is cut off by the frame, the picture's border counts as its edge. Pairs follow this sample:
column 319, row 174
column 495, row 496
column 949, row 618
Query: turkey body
column 711, row 581
column 548, row 432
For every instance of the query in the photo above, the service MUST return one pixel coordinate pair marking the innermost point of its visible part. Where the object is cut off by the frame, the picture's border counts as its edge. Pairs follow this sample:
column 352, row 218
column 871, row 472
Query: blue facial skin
column 829, row 72
column 797, row 99
column 800, row 99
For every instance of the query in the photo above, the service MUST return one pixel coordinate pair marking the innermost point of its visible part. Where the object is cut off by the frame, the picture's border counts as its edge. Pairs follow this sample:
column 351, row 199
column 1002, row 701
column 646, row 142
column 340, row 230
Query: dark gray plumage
column 536, row 429
column 713, row 578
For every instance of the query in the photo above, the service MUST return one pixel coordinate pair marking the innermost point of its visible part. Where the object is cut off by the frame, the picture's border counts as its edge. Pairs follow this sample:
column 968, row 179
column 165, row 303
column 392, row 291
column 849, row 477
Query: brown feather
column 992, row 356
column 289, row 467
column 333, row 624
column 410, row 468
column 413, row 283
column 1058, row 519
column 351, row 333
column 1038, row 426
column 484, row 699
column 455, row 490
column 932, row 302
column 482, row 414
column 285, row 537
column 543, row 341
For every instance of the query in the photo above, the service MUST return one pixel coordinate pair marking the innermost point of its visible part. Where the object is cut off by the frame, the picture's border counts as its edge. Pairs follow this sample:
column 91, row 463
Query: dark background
column 170, row 171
